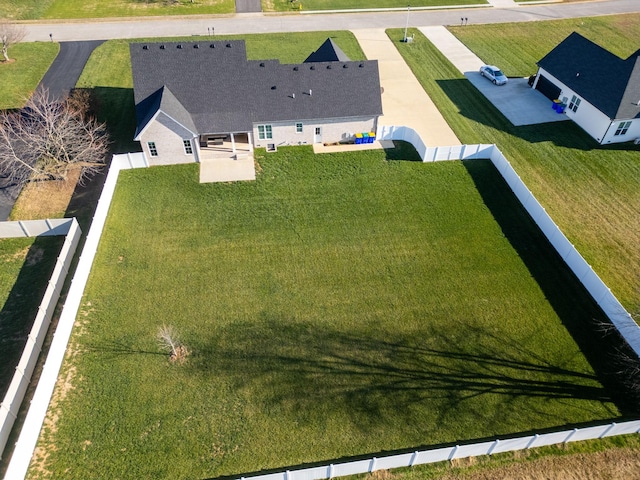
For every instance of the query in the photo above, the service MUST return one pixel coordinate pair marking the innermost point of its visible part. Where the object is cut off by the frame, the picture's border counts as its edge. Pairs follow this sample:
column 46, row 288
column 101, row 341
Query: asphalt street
column 309, row 21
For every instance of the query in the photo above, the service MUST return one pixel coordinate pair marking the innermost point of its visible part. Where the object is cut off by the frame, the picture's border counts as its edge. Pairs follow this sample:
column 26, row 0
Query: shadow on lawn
column 575, row 307
column 473, row 105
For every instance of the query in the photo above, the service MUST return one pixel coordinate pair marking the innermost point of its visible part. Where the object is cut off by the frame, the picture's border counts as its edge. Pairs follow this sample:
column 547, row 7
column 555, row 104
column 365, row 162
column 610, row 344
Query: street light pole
column 406, row 26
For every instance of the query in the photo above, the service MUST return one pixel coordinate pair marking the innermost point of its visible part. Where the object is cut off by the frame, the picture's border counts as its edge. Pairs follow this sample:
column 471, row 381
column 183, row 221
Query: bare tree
column 170, row 342
column 10, row 34
column 48, row 138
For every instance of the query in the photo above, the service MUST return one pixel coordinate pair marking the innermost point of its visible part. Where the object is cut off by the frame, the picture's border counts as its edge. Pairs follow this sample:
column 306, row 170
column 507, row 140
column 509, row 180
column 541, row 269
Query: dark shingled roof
column 328, row 52
column 606, row 81
column 211, row 87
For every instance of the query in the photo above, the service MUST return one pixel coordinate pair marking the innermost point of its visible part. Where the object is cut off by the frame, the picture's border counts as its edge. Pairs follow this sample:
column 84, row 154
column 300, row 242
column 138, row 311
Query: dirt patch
column 613, row 464
column 40, row 200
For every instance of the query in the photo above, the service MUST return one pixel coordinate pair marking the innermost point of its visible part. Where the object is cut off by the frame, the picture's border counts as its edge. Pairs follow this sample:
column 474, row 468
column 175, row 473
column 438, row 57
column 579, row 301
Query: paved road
column 263, row 23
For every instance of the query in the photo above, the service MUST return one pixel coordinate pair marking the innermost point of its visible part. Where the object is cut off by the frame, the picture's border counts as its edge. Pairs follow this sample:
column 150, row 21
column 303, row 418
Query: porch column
column 233, row 143
column 250, row 140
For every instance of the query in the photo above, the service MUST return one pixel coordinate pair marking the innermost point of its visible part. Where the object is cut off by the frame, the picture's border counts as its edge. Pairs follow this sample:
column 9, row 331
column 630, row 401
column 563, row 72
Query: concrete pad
column 518, row 102
column 521, row 104
column 227, row 169
column 404, row 101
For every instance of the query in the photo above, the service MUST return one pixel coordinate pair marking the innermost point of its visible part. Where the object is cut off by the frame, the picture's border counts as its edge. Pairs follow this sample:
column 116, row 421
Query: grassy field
column 27, row 264
column 287, row 5
column 21, row 77
column 589, row 190
column 354, row 303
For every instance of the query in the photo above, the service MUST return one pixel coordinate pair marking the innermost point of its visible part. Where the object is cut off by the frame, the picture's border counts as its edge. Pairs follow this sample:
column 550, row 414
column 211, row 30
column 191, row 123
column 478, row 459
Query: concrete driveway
column 404, row 101
column 519, row 103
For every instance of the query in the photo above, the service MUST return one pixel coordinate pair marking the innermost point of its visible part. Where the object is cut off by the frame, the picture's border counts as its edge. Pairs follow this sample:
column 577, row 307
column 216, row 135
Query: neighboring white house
column 196, row 99
column 601, row 91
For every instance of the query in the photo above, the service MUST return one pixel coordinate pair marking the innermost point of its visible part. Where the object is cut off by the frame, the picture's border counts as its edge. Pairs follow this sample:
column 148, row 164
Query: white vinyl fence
column 35, row 417
column 421, row 457
column 26, row 443
column 21, row 378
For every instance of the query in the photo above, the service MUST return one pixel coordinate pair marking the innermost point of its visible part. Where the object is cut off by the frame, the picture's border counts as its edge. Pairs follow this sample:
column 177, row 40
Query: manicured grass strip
column 287, row 5
column 23, row 9
column 589, row 190
column 338, row 305
column 135, row 8
column 114, row 86
column 25, row 268
column 21, row 77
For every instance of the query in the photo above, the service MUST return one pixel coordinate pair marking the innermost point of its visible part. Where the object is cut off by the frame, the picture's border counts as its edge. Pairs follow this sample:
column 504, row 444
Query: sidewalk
column 404, row 101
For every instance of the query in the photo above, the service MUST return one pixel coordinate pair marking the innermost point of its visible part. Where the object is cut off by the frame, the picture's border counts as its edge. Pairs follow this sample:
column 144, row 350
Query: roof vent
column 328, row 67
column 313, row 67
column 228, row 45
column 578, row 74
column 293, row 95
column 211, row 45
column 161, row 47
column 262, row 64
column 295, row 69
column 196, row 46
column 273, row 88
column 361, row 65
column 310, row 92
column 345, row 66
column 145, row 47
column 179, row 47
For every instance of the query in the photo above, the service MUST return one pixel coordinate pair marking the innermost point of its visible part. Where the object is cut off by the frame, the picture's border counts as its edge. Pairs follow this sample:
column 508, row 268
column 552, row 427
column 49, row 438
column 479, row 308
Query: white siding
column 592, row 120
column 333, row 130
column 168, row 137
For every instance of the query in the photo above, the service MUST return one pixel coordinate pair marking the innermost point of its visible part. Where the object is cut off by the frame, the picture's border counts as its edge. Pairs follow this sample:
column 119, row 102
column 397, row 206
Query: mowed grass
column 338, row 305
column 287, row 5
column 20, row 77
column 26, row 265
column 114, row 85
column 589, row 190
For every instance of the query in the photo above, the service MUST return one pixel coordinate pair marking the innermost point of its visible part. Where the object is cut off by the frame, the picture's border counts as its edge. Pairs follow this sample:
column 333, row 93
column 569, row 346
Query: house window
column 153, row 151
column 622, row 128
column 574, row 104
column 299, row 127
column 188, row 149
column 264, row 132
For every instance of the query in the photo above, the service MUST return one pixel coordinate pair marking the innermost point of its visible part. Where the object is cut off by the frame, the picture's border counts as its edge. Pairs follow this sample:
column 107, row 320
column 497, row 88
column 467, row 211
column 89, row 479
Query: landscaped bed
column 340, row 305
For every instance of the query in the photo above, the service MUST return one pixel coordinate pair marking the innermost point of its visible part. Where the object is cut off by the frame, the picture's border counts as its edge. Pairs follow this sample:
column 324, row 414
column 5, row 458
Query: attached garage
column 547, row 88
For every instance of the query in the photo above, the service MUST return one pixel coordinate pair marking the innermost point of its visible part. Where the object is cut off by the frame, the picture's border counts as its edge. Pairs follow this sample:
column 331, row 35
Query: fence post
column 414, row 457
column 613, row 424
column 372, row 466
column 453, row 452
column 532, row 441
column 573, row 432
column 492, row 447
column 330, row 471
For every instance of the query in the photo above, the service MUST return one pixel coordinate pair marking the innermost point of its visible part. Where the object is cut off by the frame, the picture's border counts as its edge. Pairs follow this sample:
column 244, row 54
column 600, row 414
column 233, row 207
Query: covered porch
column 225, row 145
column 226, row 157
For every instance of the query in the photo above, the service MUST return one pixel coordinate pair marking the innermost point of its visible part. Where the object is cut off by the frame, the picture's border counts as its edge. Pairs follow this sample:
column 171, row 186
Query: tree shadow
column 19, row 311
column 577, row 310
column 475, row 106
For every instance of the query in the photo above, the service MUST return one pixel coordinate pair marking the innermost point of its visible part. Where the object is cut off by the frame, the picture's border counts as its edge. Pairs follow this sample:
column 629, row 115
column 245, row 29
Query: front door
column 317, row 137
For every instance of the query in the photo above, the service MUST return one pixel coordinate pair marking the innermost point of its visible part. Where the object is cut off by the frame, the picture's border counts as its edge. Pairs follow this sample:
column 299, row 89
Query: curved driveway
column 264, row 23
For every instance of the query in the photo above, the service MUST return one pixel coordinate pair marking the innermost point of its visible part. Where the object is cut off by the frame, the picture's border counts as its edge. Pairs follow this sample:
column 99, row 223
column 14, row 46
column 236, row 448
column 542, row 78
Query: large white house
column 201, row 98
column 601, row 91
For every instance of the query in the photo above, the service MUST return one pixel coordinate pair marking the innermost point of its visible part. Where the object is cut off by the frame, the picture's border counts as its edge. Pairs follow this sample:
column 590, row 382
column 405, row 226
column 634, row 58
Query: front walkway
column 404, row 101
column 518, row 102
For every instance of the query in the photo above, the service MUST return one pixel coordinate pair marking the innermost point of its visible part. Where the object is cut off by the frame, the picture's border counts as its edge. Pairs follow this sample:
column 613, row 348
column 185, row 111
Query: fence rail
column 28, row 437
column 22, row 376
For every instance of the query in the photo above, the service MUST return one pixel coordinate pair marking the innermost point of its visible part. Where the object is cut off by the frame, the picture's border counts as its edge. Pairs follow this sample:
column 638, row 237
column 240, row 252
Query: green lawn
column 26, row 266
column 339, row 305
column 589, row 190
column 21, row 77
column 286, row 5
